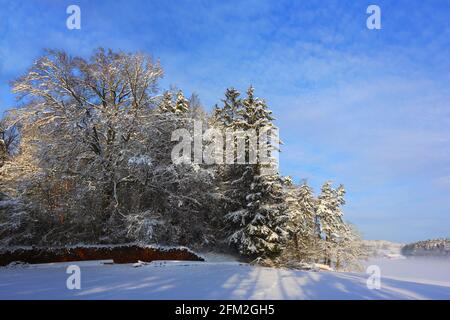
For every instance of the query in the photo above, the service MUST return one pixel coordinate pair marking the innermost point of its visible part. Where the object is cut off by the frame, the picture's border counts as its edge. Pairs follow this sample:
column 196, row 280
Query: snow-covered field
column 219, row 280
column 426, row 270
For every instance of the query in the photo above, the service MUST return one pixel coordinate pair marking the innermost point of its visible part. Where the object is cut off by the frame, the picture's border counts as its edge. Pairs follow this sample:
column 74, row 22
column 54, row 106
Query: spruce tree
column 330, row 212
column 303, row 242
column 258, row 226
column 335, row 231
column 228, row 116
column 166, row 104
column 181, row 103
column 305, row 221
column 233, row 178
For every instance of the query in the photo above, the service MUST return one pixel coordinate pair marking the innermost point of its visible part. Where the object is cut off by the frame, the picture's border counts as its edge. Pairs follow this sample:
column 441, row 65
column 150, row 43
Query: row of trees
column 431, row 247
column 87, row 158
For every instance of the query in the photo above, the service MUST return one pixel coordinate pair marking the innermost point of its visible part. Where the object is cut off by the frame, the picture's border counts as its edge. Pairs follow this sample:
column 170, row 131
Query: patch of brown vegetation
column 119, row 254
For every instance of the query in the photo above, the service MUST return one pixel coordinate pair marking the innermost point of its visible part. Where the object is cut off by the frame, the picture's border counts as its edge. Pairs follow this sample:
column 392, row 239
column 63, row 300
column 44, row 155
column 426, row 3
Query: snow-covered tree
column 181, row 103
column 255, row 113
column 9, row 139
column 228, row 115
column 329, row 211
column 258, row 225
column 305, row 219
column 350, row 251
column 197, row 112
column 304, row 244
column 102, row 145
column 167, row 104
column 339, row 237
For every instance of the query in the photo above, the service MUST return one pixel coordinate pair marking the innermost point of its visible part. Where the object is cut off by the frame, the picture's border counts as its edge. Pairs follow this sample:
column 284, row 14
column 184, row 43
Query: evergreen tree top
column 166, row 104
column 181, row 103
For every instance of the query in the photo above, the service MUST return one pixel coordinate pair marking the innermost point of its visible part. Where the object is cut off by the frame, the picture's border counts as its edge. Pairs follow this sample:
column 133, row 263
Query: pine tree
column 261, row 224
column 181, row 103
column 305, row 222
column 166, row 104
column 228, row 116
column 258, row 226
column 255, row 113
column 303, row 244
column 330, row 212
column 335, row 231
column 307, row 204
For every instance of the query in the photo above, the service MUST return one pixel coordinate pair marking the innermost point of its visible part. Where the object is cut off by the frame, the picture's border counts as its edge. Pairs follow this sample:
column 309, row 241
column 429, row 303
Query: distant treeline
column 435, row 247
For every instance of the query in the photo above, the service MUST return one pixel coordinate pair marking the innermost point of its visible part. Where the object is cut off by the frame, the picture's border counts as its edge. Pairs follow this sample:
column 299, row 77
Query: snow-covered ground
column 426, row 270
column 209, row 280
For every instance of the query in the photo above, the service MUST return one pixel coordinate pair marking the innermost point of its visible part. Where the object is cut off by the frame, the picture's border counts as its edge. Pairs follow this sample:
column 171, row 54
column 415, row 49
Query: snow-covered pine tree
column 325, row 210
column 228, row 115
column 166, row 104
column 303, row 245
column 258, row 226
column 307, row 205
column 233, row 180
column 181, row 103
column 295, row 221
column 349, row 249
column 305, row 237
column 255, row 113
column 185, row 191
column 334, row 230
column 333, row 224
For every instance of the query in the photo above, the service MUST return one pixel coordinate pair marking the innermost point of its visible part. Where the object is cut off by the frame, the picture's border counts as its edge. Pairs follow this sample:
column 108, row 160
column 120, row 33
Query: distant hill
column 381, row 248
column 434, row 247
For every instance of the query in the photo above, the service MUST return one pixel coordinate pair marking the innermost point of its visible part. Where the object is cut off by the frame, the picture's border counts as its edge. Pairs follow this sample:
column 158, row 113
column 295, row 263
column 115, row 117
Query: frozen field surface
column 205, row 280
column 427, row 270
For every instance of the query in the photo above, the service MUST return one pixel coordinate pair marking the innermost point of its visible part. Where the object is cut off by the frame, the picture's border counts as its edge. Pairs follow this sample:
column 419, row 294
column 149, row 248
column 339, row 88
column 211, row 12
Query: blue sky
column 366, row 108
